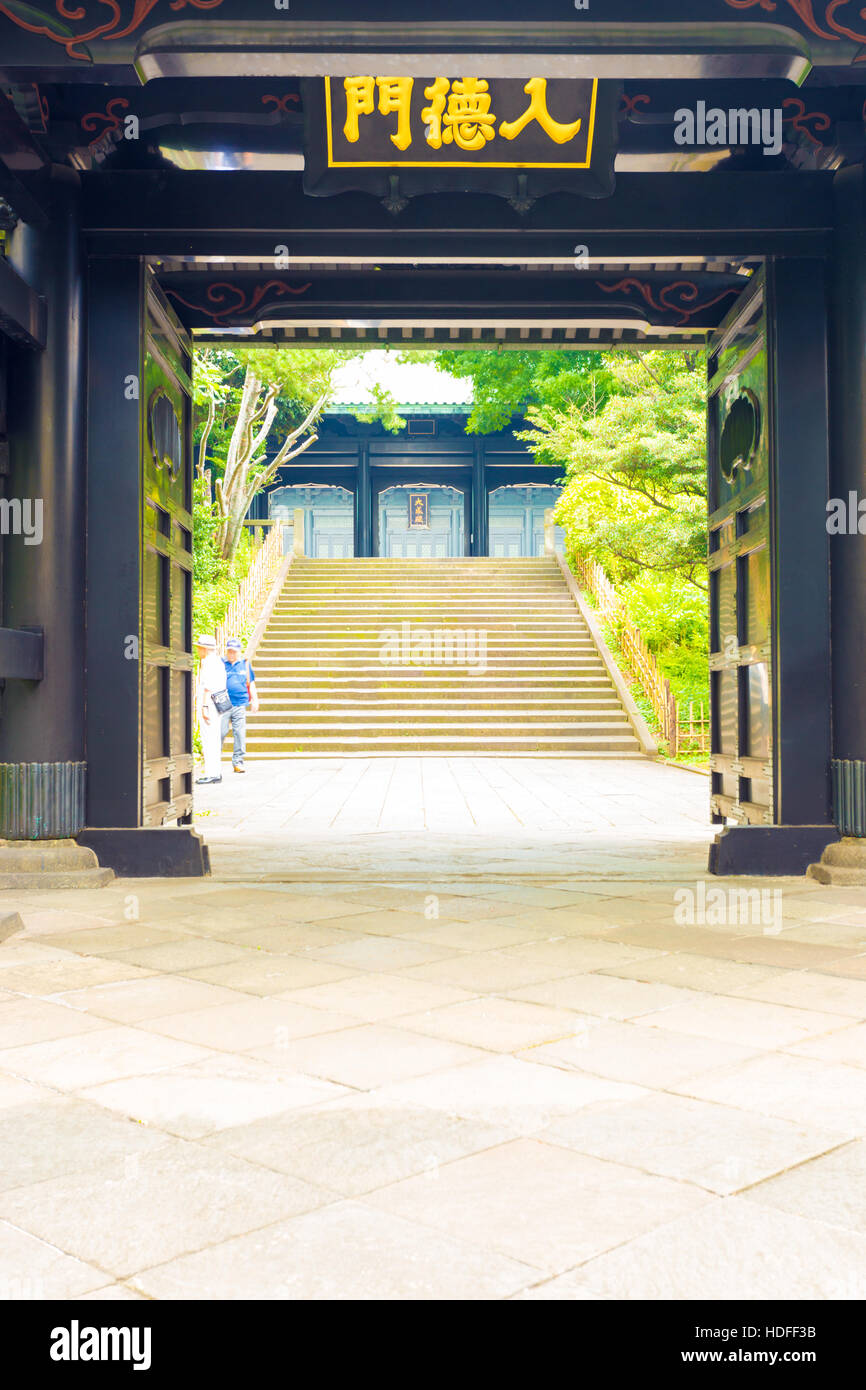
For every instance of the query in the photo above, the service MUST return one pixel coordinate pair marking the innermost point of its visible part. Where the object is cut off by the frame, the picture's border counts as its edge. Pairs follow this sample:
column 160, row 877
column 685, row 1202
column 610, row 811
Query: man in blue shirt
column 241, row 685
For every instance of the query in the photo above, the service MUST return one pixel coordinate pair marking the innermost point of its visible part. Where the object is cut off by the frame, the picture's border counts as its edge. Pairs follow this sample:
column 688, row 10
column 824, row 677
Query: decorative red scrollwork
column 57, row 30
column 44, row 108
column 686, row 291
column 109, row 116
column 243, row 303
column 629, row 104
column 829, row 28
column 280, row 103
column 800, row 117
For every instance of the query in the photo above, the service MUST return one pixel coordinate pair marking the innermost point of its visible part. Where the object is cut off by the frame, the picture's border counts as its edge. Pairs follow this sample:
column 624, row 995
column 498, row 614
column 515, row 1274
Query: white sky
column 410, row 383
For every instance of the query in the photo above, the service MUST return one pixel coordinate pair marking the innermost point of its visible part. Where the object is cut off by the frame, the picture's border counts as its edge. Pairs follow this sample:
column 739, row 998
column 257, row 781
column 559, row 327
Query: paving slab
column 460, row 1048
column 155, row 1206
column 734, row 1249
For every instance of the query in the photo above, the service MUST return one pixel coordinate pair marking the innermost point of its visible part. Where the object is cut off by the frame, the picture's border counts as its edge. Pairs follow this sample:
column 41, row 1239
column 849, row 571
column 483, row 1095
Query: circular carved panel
column 164, row 433
column 741, row 434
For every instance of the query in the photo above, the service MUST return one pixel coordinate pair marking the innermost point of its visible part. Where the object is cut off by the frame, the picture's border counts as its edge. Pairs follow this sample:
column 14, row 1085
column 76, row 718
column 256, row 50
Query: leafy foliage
column 384, row 409
column 214, row 581
column 507, row 383
column 301, row 376
column 635, row 468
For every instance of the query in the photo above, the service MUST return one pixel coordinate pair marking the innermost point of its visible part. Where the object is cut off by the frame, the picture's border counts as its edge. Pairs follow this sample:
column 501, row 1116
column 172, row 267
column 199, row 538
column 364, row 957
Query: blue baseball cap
column 235, row 643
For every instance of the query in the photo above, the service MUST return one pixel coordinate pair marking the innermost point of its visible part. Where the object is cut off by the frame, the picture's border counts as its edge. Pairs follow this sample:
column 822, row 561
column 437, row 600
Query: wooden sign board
column 409, row 136
column 419, row 511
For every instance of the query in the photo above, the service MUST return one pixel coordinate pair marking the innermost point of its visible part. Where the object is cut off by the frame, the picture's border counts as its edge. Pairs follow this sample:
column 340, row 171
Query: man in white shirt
column 211, row 678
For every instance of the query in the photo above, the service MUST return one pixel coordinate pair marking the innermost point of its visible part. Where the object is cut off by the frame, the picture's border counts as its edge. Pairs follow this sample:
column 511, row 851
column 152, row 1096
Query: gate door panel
column 166, row 575
column 739, row 565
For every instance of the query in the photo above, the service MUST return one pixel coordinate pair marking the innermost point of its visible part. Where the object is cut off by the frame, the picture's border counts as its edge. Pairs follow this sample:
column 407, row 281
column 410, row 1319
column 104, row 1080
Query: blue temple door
column 329, row 518
column 516, row 520
column 443, row 537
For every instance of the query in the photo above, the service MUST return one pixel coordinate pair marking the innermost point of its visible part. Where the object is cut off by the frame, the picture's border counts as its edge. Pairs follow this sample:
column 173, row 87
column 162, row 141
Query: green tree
column 384, row 409
column 635, row 466
column 255, row 382
column 507, row 383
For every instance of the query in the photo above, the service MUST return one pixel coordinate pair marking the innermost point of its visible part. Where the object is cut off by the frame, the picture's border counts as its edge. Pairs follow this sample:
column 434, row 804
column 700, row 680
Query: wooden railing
column 679, row 729
column 243, row 609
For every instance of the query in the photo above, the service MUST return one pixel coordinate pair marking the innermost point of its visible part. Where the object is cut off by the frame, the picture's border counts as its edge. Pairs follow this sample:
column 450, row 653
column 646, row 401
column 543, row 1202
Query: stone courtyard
column 437, row 1028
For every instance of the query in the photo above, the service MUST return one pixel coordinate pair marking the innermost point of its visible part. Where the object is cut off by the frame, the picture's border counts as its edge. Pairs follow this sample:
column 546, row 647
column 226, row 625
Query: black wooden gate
column 741, row 678
column 166, row 567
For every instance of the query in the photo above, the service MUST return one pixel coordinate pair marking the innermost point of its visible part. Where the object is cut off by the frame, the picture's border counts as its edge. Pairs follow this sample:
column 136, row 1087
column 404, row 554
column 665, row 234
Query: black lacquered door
column 166, row 573
column 739, row 484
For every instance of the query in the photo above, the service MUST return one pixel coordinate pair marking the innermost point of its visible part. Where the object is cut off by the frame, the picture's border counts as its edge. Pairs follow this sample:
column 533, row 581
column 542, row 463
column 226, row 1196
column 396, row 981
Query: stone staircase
column 340, row 666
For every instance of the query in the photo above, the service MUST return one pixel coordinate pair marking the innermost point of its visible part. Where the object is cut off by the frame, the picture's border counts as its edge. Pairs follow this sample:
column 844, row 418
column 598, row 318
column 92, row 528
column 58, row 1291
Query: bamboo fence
column 681, row 729
column 243, row 610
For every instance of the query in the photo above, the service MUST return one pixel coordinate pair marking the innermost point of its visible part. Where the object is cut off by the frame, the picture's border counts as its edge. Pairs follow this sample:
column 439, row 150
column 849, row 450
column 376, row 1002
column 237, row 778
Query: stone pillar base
column 29, row 864
column 842, row 863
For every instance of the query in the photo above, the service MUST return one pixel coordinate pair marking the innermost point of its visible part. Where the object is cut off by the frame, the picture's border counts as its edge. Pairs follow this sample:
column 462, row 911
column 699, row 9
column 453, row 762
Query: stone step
column 388, row 595
column 458, row 694
column 386, row 701
column 530, row 674
column 495, row 662
column 34, row 855
column 848, row 853
column 374, row 634
column 369, row 618
column 508, row 639
column 408, row 719
column 409, row 603
column 548, row 587
column 380, row 677
column 543, row 724
column 337, row 570
column 474, row 690
column 445, row 744
column 325, row 690
column 837, row 874
column 433, row 579
column 478, row 562
column 470, row 654
column 504, row 650
column 841, row 863
column 548, row 580
column 83, row 878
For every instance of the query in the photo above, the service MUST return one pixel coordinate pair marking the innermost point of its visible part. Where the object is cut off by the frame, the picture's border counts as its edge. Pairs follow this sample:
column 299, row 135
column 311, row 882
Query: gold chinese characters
column 459, row 112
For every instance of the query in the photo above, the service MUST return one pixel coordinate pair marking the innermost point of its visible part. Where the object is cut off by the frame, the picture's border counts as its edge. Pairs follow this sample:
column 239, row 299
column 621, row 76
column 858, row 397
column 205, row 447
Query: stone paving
column 468, row 1081
column 413, row 816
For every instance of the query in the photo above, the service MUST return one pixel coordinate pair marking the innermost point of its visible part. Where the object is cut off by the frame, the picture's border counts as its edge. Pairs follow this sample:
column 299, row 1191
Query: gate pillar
column 770, row 595
column 139, row 554
column 42, row 744
column 848, row 486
